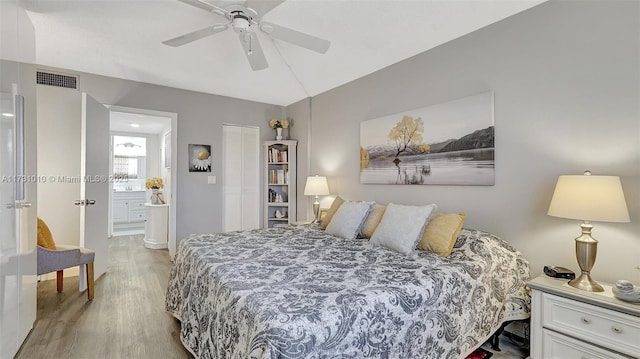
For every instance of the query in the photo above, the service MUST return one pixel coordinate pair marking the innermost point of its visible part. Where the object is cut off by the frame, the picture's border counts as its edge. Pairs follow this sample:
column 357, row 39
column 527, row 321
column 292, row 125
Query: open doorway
column 129, row 173
column 143, row 142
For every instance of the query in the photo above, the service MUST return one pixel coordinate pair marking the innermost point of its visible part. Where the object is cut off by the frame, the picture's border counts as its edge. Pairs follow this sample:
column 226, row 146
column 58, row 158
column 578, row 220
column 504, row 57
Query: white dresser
column 156, row 225
column 570, row 323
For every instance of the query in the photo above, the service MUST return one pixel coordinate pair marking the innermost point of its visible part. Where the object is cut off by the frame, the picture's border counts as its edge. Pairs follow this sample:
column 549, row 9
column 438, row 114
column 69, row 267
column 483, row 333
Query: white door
column 17, row 185
column 9, row 259
column 17, row 246
column 232, row 177
column 73, row 150
column 94, row 189
column 250, row 178
column 241, row 177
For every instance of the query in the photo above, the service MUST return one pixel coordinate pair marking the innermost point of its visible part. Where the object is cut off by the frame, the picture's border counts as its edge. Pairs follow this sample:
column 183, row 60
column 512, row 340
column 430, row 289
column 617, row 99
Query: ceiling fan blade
column 295, row 37
column 253, row 50
column 207, row 6
column 262, row 6
column 196, row 35
column 197, row 3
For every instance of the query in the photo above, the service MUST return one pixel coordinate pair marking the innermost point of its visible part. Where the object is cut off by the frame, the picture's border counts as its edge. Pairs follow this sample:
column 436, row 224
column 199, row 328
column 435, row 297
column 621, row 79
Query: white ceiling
column 123, row 121
column 122, row 39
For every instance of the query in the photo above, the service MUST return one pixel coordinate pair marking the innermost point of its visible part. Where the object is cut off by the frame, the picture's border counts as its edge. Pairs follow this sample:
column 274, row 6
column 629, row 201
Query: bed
column 297, row 292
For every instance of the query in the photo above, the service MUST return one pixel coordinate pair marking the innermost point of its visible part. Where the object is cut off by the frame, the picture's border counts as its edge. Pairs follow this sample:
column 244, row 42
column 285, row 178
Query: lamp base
column 585, row 282
column 316, row 210
column 586, row 250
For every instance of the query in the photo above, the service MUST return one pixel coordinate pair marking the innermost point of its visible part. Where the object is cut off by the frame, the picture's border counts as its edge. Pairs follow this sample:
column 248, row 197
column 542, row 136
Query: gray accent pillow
column 348, row 219
column 401, row 227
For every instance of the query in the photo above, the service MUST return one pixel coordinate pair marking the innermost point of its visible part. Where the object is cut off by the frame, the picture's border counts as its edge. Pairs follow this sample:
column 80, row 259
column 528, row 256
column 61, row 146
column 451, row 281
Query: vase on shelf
column 279, row 133
column 156, row 196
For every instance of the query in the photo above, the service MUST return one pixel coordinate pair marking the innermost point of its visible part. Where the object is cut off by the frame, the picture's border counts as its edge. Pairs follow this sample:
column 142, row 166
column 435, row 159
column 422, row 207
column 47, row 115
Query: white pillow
column 401, row 227
column 348, row 219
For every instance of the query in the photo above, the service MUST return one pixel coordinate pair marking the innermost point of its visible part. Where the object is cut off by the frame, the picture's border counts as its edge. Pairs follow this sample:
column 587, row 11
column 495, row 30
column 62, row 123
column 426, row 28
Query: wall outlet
column 211, row 179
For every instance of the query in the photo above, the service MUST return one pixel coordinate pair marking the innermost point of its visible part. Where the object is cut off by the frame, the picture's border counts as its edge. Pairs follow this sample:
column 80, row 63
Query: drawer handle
column 586, row 320
column 616, row 330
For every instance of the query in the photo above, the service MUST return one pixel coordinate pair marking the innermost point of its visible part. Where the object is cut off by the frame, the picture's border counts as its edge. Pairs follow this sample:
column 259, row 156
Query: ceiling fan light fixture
column 240, row 22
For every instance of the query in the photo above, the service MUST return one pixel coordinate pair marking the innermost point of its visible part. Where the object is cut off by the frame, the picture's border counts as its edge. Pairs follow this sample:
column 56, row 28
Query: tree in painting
column 406, row 133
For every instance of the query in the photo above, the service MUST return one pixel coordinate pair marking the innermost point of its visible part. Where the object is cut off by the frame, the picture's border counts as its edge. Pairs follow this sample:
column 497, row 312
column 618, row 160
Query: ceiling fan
column 243, row 18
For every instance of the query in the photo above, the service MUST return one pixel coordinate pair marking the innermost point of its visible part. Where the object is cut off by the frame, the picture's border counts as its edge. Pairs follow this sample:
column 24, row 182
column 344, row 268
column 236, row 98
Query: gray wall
column 200, row 119
column 300, row 127
column 566, row 81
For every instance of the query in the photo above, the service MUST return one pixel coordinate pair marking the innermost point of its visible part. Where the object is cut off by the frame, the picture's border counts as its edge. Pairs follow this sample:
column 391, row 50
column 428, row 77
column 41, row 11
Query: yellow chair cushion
column 45, row 239
column 441, row 233
column 331, row 212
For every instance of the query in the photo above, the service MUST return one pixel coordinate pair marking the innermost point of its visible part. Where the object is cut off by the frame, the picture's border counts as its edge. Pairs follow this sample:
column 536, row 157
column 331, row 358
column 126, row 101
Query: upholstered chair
column 57, row 258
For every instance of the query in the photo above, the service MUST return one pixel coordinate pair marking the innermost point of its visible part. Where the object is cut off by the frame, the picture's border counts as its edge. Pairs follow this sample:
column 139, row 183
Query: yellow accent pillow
column 331, row 212
column 441, row 233
column 373, row 220
column 45, row 239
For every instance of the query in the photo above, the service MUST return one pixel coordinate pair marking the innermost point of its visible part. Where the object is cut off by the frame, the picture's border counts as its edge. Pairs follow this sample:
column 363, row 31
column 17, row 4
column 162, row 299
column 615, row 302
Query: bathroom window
column 125, row 167
column 129, row 157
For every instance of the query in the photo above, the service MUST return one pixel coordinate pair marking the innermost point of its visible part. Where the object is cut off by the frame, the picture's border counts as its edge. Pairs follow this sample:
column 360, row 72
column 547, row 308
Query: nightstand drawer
column 558, row 346
column 600, row 326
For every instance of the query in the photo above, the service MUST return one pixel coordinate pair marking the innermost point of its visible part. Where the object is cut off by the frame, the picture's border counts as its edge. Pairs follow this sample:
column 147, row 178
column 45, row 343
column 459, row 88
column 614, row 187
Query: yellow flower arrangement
column 278, row 123
column 154, row 182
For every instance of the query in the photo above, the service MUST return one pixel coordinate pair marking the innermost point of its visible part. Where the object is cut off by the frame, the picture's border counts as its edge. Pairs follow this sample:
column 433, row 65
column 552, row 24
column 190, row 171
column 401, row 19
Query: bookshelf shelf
column 280, row 182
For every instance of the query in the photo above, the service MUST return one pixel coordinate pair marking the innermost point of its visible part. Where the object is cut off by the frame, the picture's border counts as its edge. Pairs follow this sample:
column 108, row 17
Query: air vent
column 58, row 80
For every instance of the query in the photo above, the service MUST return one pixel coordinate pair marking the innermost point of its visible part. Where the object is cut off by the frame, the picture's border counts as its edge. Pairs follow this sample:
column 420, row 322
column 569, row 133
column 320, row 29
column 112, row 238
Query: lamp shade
column 589, row 198
column 316, row 186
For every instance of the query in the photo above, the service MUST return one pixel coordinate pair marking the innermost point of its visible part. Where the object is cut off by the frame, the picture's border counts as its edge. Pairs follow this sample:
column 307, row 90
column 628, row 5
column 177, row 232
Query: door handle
column 18, row 204
column 23, row 204
column 84, row 202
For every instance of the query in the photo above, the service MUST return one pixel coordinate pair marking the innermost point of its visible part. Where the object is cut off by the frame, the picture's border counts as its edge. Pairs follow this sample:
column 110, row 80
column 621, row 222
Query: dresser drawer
column 593, row 324
column 558, row 346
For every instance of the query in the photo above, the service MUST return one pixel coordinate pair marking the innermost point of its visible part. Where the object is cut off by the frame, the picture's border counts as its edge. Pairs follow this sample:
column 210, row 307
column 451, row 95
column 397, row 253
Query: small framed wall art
column 199, row 158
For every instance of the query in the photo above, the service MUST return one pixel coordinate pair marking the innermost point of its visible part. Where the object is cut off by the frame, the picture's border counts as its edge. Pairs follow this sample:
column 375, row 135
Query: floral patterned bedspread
column 296, row 292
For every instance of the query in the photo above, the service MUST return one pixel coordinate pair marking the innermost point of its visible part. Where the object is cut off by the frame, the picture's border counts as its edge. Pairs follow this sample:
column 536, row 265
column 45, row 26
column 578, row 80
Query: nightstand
column 571, row 323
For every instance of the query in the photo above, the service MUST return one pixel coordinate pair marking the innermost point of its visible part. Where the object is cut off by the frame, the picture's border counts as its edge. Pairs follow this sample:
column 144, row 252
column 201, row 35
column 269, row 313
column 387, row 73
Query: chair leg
column 59, row 280
column 90, row 281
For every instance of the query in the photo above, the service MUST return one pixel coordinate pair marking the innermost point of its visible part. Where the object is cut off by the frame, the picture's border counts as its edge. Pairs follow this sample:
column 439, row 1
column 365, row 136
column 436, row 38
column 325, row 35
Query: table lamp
column 588, row 198
column 316, row 186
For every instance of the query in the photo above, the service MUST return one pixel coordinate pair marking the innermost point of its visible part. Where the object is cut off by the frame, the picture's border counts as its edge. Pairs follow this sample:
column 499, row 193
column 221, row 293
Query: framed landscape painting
column 451, row 143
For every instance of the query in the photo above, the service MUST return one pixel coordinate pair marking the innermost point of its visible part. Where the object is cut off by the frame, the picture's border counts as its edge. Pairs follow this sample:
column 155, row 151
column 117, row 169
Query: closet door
column 241, row 179
column 250, row 178
column 232, row 177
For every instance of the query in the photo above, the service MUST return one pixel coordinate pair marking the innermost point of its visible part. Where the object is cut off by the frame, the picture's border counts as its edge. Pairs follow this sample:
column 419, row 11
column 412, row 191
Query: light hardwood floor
column 125, row 320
